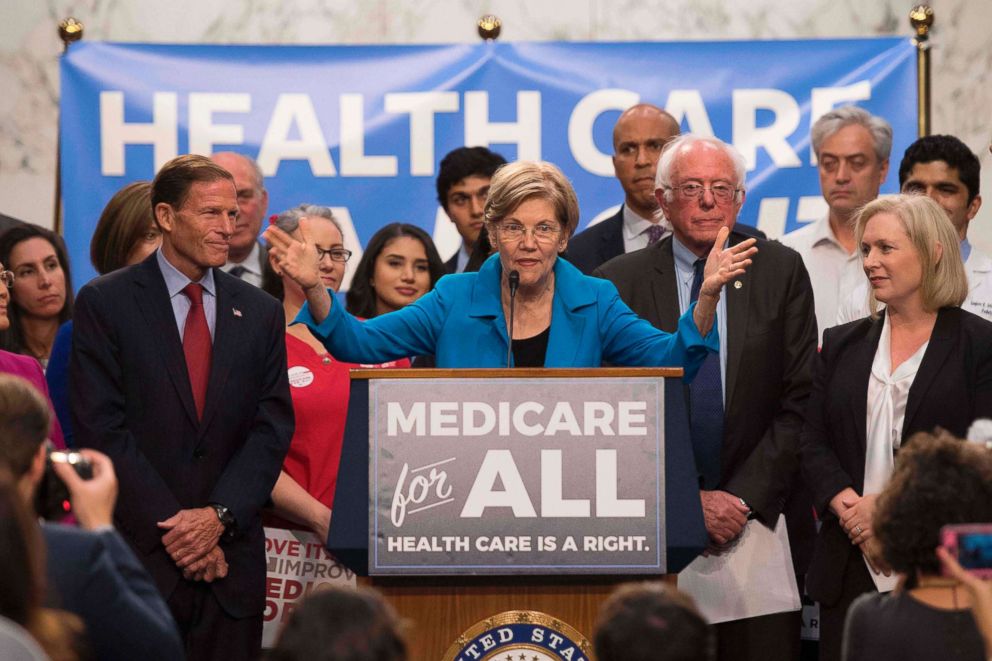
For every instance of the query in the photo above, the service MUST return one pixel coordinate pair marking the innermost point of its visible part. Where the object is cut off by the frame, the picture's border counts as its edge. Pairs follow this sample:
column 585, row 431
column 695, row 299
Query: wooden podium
column 439, row 607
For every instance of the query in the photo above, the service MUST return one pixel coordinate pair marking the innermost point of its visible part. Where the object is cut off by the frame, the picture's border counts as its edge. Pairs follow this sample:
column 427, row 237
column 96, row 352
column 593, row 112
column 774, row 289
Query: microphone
column 514, row 281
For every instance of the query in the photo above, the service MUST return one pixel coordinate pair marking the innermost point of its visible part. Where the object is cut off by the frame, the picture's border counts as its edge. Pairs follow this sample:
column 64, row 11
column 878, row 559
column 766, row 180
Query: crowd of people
column 829, row 378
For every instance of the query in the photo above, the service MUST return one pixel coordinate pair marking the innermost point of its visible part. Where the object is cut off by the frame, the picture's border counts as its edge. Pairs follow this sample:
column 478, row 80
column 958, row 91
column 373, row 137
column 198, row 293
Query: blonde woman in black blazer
column 913, row 263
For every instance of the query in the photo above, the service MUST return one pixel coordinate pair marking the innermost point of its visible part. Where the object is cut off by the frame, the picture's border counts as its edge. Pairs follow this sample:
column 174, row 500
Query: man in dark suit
column 747, row 403
column 639, row 135
column 246, row 255
column 462, row 188
column 178, row 372
column 89, row 570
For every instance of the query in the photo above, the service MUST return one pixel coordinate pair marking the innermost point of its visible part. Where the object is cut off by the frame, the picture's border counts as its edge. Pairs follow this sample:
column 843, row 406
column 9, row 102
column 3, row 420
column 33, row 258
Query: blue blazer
column 95, row 576
column 461, row 323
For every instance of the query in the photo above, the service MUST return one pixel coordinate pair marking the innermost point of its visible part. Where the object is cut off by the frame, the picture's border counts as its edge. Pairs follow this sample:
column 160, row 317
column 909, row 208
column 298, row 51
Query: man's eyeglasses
column 7, row 278
column 543, row 232
column 721, row 192
column 336, row 254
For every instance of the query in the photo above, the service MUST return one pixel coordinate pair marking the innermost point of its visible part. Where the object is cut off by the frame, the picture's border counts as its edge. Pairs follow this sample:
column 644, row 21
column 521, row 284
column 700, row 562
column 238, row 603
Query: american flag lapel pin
column 236, row 311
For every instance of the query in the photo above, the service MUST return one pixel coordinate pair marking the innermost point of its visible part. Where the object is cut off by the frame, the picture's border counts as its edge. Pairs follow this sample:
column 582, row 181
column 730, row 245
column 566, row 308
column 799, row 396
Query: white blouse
column 888, row 391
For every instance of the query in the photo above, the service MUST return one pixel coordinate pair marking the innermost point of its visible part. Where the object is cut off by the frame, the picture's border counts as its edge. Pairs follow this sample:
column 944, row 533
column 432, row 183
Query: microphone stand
column 514, row 281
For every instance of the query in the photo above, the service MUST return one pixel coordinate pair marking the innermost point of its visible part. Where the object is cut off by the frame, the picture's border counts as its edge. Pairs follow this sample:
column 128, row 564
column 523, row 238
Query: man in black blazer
column 246, row 256
column 768, row 342
column 89, row 571
column 639, row 136
column 178, row 373
column 462, row 189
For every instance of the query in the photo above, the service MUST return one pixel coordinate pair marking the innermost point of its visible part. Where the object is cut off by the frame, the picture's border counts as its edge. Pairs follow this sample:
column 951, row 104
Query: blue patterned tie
column 706, row 406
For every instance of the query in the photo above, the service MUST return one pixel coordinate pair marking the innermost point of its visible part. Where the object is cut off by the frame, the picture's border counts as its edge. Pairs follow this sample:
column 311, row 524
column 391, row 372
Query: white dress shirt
column 252, row 266
column 833, row 271
column 635, row 230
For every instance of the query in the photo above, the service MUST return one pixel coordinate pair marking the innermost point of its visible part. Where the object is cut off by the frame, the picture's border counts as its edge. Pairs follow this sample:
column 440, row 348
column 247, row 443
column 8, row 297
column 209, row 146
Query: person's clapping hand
column 92, row 500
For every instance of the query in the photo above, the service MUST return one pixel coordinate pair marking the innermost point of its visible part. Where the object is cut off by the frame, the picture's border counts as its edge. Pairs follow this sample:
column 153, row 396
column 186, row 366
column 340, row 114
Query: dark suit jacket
column 97, row 577
column 131, row 399
column 771, row 343
column 952, row 387
column 596, row 245
column 452, row 264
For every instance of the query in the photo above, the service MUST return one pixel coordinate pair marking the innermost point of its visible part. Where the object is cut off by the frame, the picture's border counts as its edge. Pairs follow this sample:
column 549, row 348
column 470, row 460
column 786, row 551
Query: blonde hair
column 927, row 225
column 517, row 182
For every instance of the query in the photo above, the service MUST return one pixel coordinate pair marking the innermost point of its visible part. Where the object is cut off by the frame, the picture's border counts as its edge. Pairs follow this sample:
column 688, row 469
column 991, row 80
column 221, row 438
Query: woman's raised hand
column 722, row 266
column 296, row 258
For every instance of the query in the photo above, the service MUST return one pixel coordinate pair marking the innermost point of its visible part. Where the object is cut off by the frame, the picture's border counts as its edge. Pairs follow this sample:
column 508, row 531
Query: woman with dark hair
column 125, row 234
column 304, row 493
column 937, row 481
column 23, row 366
column 41, row 297
column 400, row 264
column 341, row 624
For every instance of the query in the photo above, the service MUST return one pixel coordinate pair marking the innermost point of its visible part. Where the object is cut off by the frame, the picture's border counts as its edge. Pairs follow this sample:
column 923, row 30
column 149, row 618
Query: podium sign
column 516, row 476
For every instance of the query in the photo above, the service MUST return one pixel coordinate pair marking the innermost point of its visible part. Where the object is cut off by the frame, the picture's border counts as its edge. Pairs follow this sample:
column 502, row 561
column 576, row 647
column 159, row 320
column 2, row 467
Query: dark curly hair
column 948, row 149
column 938, row 480
column 651, row 621
column 360, row 299
column 465, row 162
column 339, row 624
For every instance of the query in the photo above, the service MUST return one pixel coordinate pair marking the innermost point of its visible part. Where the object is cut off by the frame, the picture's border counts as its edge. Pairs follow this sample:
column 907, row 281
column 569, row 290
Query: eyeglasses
column 721, row 192
column 543, row 232
column 336, row 254
column 7, row 278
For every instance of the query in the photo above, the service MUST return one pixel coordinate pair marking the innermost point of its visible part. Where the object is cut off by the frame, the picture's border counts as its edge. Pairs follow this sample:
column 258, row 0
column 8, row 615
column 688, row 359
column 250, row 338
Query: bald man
column 246, row 256
column 639, row 135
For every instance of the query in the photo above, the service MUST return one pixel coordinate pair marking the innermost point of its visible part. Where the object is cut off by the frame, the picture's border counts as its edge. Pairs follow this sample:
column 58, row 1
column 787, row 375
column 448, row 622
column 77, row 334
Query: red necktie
column 196, row 345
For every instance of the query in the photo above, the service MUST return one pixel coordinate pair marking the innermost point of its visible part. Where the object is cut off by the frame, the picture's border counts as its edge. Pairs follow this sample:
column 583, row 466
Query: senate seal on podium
column 520, row 636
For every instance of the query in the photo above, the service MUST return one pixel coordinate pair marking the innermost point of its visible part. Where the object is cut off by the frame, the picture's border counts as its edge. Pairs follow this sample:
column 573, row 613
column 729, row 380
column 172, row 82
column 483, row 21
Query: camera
column 971, row 544
column 52, row 500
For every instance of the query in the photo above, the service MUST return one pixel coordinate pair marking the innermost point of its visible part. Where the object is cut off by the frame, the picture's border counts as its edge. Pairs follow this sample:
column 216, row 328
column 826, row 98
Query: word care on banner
column 362, row 129
column 516, row 476
column 297, row 564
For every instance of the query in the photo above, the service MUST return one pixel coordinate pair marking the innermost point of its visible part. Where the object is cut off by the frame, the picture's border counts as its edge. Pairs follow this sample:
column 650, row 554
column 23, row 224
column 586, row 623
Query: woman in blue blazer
column 561, row 318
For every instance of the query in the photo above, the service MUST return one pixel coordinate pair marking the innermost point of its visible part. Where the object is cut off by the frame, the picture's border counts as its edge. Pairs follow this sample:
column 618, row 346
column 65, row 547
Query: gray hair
column 290, row 219
column 666, row 164
column 838, row 118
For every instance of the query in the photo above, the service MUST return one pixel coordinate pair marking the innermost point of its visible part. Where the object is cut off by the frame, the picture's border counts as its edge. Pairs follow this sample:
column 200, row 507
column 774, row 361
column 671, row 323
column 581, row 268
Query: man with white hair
column 746, row 403
column 246, row 255
column 852, row 148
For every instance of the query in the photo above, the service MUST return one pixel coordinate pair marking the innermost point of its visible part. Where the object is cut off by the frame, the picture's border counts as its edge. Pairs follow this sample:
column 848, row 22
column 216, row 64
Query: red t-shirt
column 319, row 385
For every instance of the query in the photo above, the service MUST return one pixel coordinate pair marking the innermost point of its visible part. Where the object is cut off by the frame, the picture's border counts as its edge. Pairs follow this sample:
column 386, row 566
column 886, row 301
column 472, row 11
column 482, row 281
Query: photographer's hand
column 979, row 590
column 92, row 500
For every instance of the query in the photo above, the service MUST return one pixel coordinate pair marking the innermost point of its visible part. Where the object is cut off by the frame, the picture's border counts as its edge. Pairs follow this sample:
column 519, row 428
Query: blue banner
column 362, row 128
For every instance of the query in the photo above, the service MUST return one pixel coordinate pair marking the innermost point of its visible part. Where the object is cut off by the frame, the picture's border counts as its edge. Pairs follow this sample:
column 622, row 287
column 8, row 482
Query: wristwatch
column 226, row 518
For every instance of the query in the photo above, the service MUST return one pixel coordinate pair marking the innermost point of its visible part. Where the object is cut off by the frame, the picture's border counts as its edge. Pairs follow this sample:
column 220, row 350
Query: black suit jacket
column 771, row 343
column 952, row 387
column 131, row 398
column 95, row 576
column 596, row 245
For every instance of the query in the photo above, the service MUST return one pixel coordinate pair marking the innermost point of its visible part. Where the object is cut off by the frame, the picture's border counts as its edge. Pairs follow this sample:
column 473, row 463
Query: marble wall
column 30, row 48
